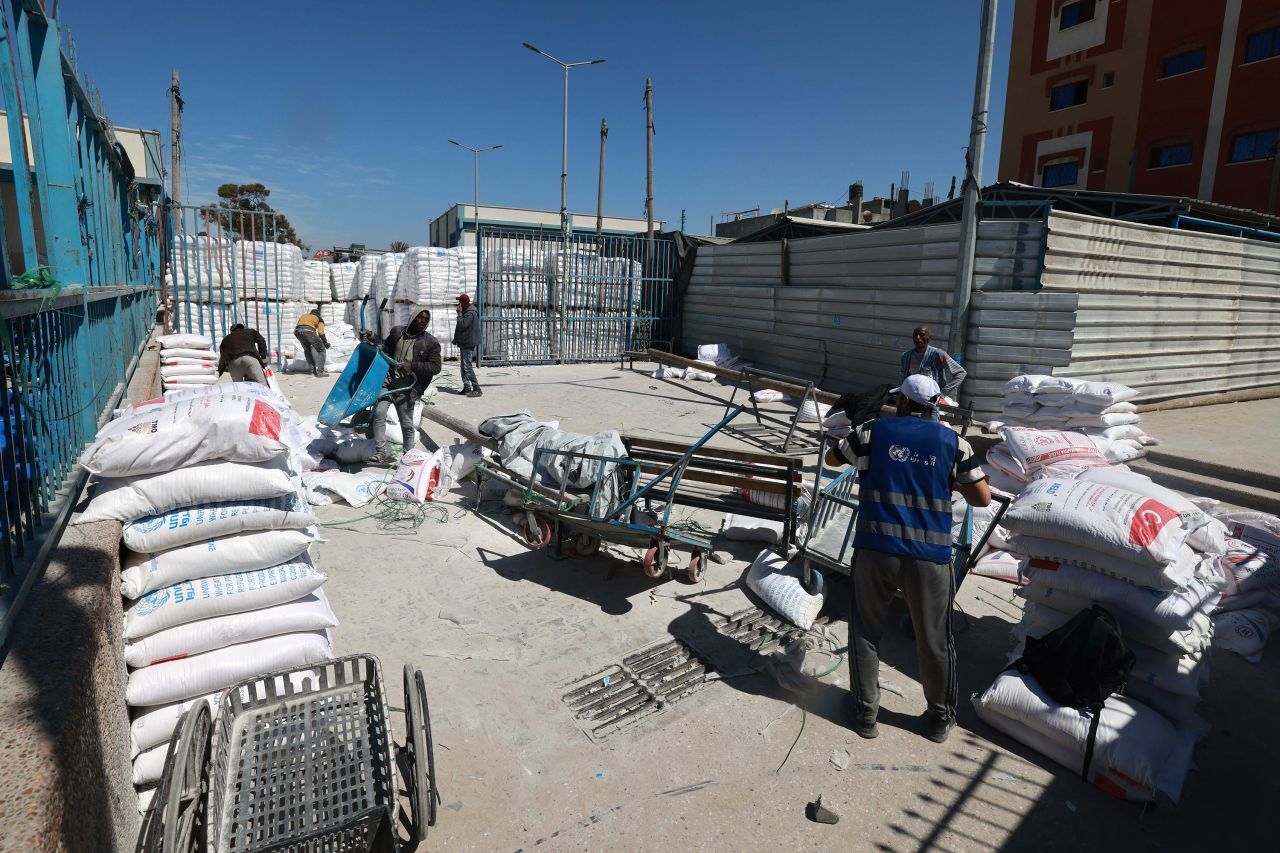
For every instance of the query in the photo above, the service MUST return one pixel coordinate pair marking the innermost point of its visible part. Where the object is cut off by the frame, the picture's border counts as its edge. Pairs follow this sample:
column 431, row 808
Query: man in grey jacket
column 466, row 336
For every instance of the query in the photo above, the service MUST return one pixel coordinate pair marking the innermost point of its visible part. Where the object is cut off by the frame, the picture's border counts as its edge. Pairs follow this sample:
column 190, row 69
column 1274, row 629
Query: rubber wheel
column 586, row 546
column 694, row 572
column 420, row 753
column 537, row 535
column 655, row 561
column 176, row 820
column 817, row 583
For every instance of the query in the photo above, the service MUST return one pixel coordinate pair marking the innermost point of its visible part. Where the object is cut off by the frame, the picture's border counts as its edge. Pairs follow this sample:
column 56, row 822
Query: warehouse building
column 457, row 225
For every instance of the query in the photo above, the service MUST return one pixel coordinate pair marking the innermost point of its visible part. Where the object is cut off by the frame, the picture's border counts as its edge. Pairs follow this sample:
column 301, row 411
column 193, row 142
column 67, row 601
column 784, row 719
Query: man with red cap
column 466, row 337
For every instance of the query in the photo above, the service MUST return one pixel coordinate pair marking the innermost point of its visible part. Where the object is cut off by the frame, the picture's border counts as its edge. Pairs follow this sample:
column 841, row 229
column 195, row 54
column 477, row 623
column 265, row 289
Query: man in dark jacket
column 417, row 357
column 243, row 352
column 466, row 336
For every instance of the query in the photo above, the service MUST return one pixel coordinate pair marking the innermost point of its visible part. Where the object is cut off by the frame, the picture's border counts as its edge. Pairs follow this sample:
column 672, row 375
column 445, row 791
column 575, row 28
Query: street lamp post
column 475, row 202
column 564, row 139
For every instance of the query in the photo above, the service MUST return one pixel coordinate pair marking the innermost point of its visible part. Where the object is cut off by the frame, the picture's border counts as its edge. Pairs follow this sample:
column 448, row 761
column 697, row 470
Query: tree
column 399, row 246
column 268, row 224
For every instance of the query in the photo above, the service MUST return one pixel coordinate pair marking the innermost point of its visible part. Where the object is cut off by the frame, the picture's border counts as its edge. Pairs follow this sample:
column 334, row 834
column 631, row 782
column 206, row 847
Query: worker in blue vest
column 908, row 467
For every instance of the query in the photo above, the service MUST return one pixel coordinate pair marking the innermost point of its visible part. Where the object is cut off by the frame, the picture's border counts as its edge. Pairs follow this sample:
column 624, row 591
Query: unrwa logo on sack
column 150, row 524
column 151, row 602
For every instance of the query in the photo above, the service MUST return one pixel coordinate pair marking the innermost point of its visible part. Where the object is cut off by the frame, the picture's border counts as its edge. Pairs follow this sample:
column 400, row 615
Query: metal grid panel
column 545, row 301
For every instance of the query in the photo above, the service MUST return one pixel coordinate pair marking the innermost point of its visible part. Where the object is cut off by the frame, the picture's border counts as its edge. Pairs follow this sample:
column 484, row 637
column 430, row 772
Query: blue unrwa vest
column 904, row 500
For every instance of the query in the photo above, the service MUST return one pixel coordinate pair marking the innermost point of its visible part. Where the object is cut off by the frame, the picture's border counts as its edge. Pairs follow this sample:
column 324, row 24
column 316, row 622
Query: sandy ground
column 1237, row 435
column 500, row 631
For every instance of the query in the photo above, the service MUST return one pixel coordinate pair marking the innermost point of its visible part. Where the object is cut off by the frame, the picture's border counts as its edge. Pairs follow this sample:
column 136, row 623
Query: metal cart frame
column 298, row 760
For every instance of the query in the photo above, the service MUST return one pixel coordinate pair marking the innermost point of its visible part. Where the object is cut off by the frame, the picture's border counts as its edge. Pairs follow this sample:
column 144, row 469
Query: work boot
column 938, row 727
column 475, row 392
column 864, row 726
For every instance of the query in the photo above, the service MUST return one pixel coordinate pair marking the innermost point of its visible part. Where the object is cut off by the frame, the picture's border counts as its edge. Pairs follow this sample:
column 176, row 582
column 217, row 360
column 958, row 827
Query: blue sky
column 344, row 109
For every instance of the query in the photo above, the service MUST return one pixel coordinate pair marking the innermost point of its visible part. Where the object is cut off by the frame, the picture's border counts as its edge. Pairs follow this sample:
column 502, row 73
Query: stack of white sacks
column 432, row 278
column 270, row 277
column 218, row 583
column 200, row 282
column 1084, row 529
column 187, row 361
column 359, row 313
column 317, row 282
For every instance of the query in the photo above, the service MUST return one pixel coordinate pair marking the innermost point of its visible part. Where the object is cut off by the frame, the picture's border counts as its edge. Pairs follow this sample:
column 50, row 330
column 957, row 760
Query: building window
column 1254, row 146
column 1076, row 13
column 1108, row 79
column 1170, row 155
column 1068, row 95
column 1263, row 45
column 1061, row 174
column 1192, row 60
column 1099, row 164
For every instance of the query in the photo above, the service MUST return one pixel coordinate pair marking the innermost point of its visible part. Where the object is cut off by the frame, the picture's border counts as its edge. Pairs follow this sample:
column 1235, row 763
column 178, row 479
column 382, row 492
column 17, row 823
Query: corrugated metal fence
column 1173, row 313
column 73, row 323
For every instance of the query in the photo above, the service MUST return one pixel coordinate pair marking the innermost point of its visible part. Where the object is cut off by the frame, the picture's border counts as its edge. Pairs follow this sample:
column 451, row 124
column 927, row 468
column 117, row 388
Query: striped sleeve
column 967, row 469
column 856, row 449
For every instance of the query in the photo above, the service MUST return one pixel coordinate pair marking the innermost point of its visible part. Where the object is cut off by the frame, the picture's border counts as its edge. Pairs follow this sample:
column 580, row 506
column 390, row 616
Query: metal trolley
column 297, row 760
column 828, row 542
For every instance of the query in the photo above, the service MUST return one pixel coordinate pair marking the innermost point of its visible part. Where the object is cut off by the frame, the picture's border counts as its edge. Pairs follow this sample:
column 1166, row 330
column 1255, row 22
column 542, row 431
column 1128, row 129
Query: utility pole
column 604, row 134
column 175, row 136
column 648, row 155
column 969, row 189
column 682, row 219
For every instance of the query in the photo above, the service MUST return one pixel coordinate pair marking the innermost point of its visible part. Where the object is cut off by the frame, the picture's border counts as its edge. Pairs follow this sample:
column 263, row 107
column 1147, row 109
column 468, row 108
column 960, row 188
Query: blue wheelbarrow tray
column 361, row 385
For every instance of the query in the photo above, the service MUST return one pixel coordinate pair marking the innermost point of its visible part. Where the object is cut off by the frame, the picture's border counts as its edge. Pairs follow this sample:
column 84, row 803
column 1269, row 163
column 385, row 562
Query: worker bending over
column 310, row 334
column 417, row 356
column 907, row 468
column 923, row 358
column 243, row 353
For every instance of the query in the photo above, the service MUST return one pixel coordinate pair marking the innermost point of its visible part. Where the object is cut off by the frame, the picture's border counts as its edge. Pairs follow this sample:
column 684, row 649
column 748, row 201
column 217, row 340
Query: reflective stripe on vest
column 905, row 495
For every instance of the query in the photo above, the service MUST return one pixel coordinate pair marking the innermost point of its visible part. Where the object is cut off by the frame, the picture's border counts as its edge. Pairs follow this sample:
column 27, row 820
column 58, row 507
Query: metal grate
column 645, row 683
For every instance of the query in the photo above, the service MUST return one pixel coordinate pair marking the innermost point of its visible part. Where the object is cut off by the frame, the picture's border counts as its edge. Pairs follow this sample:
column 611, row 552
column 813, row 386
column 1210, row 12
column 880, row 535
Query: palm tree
column 399, row 246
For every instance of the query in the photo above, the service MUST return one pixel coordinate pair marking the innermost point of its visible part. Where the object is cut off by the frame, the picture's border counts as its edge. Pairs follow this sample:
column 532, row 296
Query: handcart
column 833, row 515
column 361, row 385
column 790, row 439
column 298, row 760
column 631, row 498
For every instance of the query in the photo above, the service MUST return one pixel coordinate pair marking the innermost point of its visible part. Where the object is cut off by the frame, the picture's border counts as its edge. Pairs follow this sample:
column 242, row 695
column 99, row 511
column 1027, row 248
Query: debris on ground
column 818, row 813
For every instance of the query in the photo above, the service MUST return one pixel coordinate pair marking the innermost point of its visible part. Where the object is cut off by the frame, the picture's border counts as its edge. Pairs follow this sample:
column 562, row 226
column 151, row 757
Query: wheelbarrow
column 361, row 385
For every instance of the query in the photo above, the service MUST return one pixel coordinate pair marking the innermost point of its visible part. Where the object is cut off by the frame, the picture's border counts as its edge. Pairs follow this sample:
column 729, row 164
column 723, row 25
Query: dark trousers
column 312, row 348
column 929, row 589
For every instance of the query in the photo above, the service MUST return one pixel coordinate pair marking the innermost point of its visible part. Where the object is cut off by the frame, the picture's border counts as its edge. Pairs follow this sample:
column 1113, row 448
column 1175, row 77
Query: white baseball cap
column 920, row 389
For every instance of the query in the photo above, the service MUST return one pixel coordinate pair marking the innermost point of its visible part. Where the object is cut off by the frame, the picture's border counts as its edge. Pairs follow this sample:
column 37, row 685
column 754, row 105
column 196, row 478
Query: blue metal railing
column 77, row 304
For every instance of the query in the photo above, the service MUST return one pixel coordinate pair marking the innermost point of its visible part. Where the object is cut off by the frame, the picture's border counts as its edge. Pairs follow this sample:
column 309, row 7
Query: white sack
column 665, row 372
column 189, row 380
column 1103, row 393
column 836, row 424
column 1114, row 521
column 355, row 489
column 234, row 428
column 1172, row 609
column 188, row 352
column 743, row 528
column 780, row 586
column 1102, row 421
column 462, row 457
column 1024, row 384
column 1002, row 566
column 219, row 669
column 148, row 766
column 1138, row 753
column 154, row 494
column 181, row 371
column 154, row 726
column 184, row 340
column 1035, row 450
column 1140, row 573
column 420, row 477
column 245, row 552
column 769, row 395
column 1244, row 632
column 309, row 613
column 1208, row 534
column 219, row 595
column 812, row 412
column 218, row 521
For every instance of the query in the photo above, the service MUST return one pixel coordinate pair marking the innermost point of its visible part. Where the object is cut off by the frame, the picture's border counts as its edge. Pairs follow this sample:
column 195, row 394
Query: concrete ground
column 1235, row 435
column 500, row 631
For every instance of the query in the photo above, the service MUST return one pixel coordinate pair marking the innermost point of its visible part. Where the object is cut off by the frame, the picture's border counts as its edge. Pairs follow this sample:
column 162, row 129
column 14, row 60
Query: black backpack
column 863, row 407
column 1080, row 664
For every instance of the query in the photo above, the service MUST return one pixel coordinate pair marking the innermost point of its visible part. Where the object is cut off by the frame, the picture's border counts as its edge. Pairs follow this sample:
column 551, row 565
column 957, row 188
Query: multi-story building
column 1160, row 97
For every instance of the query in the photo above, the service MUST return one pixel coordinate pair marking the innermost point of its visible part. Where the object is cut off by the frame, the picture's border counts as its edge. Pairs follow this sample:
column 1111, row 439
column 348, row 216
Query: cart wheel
column 177, row 815
column 655, row 561
column 537, row 531
column 694, row 572
column 587, row 546
column 420, row 751
column 816, row 583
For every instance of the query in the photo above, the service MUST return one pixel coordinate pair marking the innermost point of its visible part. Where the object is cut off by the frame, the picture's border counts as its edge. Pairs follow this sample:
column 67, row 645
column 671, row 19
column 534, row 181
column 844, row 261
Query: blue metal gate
column 545, row 301
column 77, row 304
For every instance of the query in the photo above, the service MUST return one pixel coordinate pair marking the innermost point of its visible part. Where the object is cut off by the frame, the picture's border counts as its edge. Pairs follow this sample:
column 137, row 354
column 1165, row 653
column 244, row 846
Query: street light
column 564, row 139
column 475, row 204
